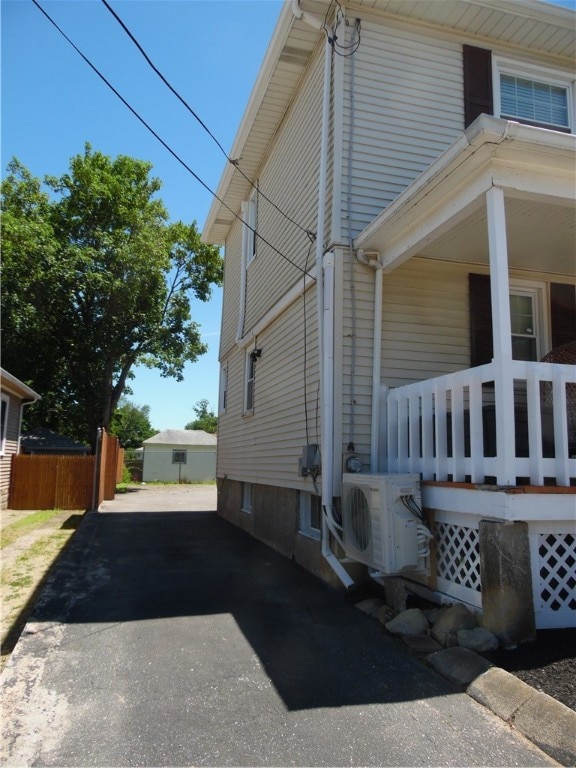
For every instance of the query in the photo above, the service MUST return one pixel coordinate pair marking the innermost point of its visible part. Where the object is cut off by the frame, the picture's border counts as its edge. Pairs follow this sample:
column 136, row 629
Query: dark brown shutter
column 481, row 349
column 477, row 83
column 562, row 313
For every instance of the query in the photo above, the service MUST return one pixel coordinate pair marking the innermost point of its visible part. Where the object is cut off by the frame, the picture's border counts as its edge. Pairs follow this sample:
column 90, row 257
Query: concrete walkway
column 167, row 637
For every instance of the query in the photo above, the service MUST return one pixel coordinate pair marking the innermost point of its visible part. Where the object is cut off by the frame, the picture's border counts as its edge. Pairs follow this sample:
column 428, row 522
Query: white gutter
column 325, row 316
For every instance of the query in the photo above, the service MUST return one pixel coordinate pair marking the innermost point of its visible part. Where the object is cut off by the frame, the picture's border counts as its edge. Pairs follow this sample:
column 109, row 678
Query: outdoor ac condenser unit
column 381, row 527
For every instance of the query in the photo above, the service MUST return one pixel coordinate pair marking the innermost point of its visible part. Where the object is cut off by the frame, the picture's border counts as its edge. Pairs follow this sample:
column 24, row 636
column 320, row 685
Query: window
column 3, row 424
column 179, row 457
column 310, row 514
column 532, row 95
column 246, row 497
column 249, row 209
column 249, row 388
column 532, row 322
column 523, row 323
column 223, row 388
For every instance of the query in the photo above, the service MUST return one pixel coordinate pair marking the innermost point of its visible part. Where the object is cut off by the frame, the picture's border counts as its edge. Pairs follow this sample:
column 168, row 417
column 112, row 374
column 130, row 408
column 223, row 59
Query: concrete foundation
column 274, row 520
column 507, row 602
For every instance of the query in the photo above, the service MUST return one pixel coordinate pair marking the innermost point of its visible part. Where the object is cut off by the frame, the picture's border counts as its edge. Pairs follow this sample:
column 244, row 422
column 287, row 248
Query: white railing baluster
column 560, row 426
column 417, row 414
column 477, row 472
column 427, row 434
column 533, row 406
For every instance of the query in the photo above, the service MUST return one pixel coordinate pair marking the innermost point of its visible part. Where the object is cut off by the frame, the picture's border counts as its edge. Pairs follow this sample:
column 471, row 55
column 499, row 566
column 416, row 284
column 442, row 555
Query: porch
column 495, row 443
column 459, row 428
column 482, row 467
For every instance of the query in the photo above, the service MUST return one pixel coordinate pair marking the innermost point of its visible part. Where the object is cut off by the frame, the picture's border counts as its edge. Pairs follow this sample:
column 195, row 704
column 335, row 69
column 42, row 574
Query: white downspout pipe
column 376, row 365
column 325, row 314
column 376, row 355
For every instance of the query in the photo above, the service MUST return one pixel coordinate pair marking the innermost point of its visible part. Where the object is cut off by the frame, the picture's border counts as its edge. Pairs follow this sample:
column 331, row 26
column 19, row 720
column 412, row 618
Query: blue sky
column 52, row 103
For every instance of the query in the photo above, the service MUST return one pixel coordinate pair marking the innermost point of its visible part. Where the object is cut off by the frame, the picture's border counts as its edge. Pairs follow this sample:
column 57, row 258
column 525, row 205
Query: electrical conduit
column 325, row 315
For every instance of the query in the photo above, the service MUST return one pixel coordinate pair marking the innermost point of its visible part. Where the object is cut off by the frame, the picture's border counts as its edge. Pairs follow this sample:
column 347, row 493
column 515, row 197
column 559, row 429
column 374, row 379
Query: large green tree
column 96, row 280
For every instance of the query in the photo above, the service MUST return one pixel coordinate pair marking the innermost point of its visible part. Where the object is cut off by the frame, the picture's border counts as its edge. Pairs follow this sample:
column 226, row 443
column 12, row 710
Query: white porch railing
column 447, row 428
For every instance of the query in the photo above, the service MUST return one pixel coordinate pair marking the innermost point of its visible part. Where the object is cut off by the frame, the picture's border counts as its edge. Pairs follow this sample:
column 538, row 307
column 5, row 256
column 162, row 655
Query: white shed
column 179, row 455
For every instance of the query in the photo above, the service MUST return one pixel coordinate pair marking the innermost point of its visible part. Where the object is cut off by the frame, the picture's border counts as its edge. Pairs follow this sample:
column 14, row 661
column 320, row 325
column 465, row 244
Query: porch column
column 502, row 337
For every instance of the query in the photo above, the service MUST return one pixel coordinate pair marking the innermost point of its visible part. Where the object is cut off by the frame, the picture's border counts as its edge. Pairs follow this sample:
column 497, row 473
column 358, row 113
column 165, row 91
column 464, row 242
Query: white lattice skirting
column 553, row 562
column 553, row 556
column 458, row 557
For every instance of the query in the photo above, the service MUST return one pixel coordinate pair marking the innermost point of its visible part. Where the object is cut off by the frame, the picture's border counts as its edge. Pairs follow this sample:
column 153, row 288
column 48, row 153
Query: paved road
column 167, row 637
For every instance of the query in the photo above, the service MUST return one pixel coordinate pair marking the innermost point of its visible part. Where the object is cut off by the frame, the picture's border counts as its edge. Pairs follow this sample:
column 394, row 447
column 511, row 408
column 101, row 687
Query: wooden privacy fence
column 66, row 482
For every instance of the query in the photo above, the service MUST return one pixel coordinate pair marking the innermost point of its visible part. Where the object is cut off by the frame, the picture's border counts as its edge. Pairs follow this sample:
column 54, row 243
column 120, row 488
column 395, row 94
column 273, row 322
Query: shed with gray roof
column 179, row 455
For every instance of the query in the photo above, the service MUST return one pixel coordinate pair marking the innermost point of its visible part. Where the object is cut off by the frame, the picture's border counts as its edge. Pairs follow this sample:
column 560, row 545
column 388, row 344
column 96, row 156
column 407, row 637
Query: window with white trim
column 310, row 514
column 249, row 209
column 246, row 498
column 533, row 95
column 249, row 383
column 3, row 423
column 179, row 457
column 526, row 321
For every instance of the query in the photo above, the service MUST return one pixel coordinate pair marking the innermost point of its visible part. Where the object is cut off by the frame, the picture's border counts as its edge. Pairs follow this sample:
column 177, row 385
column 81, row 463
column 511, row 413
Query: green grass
column 24, row 525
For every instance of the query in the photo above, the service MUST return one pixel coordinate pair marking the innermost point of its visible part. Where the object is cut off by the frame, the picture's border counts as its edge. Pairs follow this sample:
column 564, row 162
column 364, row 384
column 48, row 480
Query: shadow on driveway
column 316, row 648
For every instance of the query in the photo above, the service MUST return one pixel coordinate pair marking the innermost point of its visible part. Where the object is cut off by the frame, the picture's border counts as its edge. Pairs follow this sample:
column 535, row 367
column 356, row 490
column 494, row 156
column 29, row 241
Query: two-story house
column 398, row 386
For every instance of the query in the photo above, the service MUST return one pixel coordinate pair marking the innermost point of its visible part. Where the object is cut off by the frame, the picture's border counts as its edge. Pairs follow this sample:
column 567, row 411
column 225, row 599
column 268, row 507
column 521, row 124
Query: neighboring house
column 15, row 395
column 42, row 441
column 179, row 455
column 430, row 148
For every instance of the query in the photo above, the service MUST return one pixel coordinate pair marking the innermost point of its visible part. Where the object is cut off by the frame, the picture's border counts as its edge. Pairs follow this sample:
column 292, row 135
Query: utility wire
column 233, row 162
column 165, row 145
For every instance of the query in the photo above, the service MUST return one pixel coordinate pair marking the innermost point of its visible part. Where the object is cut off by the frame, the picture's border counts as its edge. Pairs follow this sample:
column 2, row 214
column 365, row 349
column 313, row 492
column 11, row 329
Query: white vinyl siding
column 265, row 448
column 231, row 291
column 408, row 107
column 290, row 179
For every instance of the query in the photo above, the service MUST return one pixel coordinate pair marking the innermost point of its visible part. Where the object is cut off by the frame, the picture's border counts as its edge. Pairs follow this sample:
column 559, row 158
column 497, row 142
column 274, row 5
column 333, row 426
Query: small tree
column 131, row 424
column 205, row 419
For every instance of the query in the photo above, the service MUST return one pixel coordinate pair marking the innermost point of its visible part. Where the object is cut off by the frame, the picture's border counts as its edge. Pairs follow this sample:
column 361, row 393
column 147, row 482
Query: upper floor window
column 249, row 209
column 516, row 90
column 223, row 388
column 249, row 383
column 532, row 95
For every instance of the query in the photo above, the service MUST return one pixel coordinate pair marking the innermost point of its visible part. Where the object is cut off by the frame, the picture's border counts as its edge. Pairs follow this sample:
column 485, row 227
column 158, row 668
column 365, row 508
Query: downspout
column 373, row 260
column 31, row 401
column 325, row 315
column 242, row 307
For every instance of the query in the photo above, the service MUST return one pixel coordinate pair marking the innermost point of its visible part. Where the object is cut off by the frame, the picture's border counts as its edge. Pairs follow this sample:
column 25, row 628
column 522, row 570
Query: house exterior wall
column 264, row 446
column 10, row 443
column 200, row 464
column 289, row 178
column 401, row 106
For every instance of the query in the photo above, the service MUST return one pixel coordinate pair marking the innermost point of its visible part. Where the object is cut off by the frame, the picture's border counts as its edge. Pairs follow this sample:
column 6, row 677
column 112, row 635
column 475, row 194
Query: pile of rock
column 426, row 631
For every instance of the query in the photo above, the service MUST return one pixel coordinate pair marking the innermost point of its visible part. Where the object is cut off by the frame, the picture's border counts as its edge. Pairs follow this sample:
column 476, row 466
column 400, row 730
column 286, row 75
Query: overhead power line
column 165, row 145
column 183, row 101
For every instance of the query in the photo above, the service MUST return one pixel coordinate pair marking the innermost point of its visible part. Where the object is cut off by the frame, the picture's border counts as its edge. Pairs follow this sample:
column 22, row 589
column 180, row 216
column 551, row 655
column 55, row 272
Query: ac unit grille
column 359, row 523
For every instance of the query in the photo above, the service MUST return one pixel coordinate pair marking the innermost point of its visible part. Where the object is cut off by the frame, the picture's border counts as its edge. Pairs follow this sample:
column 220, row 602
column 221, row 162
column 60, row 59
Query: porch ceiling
column 541, row 237
column 443, row 213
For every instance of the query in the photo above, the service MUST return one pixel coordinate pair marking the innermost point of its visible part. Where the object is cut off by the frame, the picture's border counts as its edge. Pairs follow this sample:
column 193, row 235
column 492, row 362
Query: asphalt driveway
column 167, row 637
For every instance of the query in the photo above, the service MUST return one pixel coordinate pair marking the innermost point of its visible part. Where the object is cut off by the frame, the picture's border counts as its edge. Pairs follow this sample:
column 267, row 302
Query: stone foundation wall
column 274, row 520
